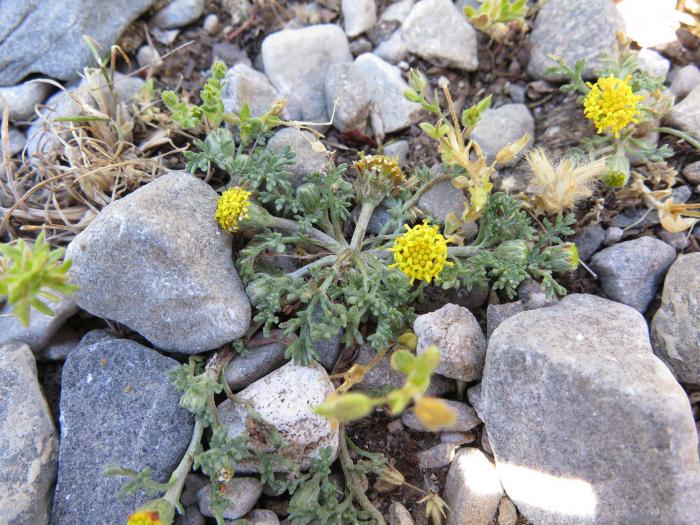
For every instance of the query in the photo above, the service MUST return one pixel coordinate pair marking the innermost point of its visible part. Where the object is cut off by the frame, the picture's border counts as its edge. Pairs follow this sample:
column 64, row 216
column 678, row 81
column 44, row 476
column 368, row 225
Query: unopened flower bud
column 510, row 152
column 516, row 250
column 563, row 257
column 346, row 407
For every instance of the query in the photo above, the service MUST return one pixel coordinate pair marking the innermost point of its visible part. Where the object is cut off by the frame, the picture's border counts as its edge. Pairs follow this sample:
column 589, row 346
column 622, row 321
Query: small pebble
column 613, row 235
column 148, row 56
column 211, row 24
column 507, row 513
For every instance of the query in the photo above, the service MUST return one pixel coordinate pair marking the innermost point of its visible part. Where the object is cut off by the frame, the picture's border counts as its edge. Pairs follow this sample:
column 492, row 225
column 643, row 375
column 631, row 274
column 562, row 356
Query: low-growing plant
column 29, row 275
column 494, row 16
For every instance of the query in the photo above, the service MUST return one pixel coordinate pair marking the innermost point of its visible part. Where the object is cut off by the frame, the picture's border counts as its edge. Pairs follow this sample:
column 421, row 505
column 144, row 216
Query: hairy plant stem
column 213, row 369
column 359, row 493
column 463, row 251
column 362, row 222
column 289, row 226
column 302, row 272
column 680, row 134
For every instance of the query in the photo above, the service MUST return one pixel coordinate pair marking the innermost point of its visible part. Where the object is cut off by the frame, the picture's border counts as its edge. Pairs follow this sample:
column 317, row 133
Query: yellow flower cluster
column 232, row 207
column 382, row 165
column 144, row 517
column 611, row 104
column 421, row 252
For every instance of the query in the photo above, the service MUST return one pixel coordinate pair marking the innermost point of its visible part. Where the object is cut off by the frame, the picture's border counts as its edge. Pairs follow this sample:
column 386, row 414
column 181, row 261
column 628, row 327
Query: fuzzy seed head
column 611, row 105
column 383, row 166
column 232, row 207
column 421, row 252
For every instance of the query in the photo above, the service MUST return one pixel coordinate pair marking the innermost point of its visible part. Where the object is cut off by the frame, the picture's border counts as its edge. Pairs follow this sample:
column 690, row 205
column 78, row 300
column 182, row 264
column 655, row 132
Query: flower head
column 144, row 517
column 677, row 217
column 377, row 174
column 421, row 252
column 232, row 207
column 611, row 104
column 155, row 512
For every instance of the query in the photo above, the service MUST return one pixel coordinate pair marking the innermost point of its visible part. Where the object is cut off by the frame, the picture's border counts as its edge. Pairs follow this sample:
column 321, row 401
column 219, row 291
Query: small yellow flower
column 144, row 517
column 434, row 413
column 382, row 165
column 421, row 252
column 611, row 104
column 232, row 207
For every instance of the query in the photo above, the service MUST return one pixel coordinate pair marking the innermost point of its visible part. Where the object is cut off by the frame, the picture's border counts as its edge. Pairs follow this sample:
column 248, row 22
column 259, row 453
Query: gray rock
column 360, row 45
column 41, row 327
column 630, row 271
column 686, row 115
column 588, row 240
column 399, row 150
column 466, row 418
column 500, row 127
column 242, row 493
column 533, row 296
column 497, row 313
column 358, row 16
column 691, row 172
column 472, row 489
column 96, row 336
column 458, row 438
column 436, row 31
column 653, row 63
column 399, row 515
column 397, row 12
column 391, row 111
column 485, row 443
column 613, row 235
column 581, row 415
column 192, row 516
column 307, row 160
column 260, row 361
column 348, row 97
column 63, row 343
column 474, row 397
column 148, row 56
column 329, row 351
column 574, row 30
column 517, row 93
column 383, row 376
column 261, row 517
column 193, row 484
column 245, row 85
column 437, row 456
column 675, row 329
column 456, row 332
column 27, row 439
column 16, row 140
column 211, row 24
column 46, row 36
column 167, row 265
column 507, row 513
column 284, row 399
column 179, row 13
column 296, row 62
column 685, row 80
column 442, row 199
column 678, row 241
column 22, row 99
column 117, row 407
column 394, row 49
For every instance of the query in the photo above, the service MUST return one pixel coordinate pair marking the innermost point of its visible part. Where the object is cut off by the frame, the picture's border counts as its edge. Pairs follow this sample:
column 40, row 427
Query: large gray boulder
column 296, row 62
column 675, row 330
column 586, row 424
column 28, row 444
column 157, row 261
column 573, row 30
column 117, row 407
column 46, row 36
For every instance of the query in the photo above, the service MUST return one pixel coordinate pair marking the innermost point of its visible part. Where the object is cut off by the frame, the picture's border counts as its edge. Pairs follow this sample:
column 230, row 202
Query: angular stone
column 28, row 441
column 258, row 362
column 685, row 80
column 391, row 111
column 65, row 340
column 675, row 329
column 41, row 327
column 399, row 515
column 179, row 13
column 261, row 517
column 166, row 264
column 502, row 126
column 588, row 240
column 581, row 415
column 436, row 31
column 117, row 407
column 686, row 115
column 393, row 49
column 296, row 62
column 466, row 418
column 456, row 332
column 653, row 63
column 245, row 85
column 472, row 489
column 573, row 30
column 242, row 493
column 497, row 313
column 307, row 160
column 691, row 172
column 397, row 12
column 507, row 513
column 630, row 271
column 358, row 16
column 46, row 36
column 474, row 397
column 437, row 456
column 22, row 99
column 348, row 97
column 284, row 399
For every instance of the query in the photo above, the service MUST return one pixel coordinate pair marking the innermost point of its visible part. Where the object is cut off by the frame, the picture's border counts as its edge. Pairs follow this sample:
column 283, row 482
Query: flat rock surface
column 157, row 261
column 581, row 415
column 117, row 407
